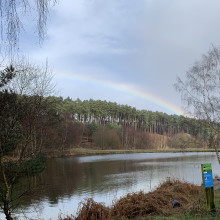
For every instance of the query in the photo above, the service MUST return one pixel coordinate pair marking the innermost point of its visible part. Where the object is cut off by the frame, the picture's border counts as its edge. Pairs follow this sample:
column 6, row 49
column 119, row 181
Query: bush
column 92, row 128
column 107, row 138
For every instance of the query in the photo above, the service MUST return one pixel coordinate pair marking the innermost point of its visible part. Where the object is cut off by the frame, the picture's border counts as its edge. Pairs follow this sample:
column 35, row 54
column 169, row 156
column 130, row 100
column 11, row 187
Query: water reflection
column 105, row 178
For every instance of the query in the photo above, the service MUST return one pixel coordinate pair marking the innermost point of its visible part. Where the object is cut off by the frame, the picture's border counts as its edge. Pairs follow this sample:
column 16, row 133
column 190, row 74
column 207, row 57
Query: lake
column 105, row 178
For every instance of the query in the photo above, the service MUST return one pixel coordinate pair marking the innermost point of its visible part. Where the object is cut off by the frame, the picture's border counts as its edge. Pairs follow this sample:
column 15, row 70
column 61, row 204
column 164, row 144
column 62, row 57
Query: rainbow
column 127, row 88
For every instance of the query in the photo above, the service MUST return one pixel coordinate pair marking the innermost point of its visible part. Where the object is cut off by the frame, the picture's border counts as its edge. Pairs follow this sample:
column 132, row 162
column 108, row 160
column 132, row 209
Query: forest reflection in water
column 66, row 181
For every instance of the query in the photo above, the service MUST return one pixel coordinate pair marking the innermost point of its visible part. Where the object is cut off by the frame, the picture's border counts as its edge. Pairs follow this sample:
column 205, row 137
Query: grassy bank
column 89, row 151
column 153, row 205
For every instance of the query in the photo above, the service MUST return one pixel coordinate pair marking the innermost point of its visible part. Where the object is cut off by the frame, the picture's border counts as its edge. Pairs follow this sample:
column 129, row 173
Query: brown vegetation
column 140, row 204
column 93, row 210
column 159, row 201
column 106, row 125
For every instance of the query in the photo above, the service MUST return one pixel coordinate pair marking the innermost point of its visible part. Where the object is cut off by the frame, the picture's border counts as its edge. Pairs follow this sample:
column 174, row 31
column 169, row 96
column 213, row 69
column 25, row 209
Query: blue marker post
column 207, row 178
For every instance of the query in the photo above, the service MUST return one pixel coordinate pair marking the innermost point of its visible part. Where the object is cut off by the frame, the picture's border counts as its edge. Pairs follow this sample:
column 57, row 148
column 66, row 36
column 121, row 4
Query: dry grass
column 140, row 204
column 159, row 202
column 91, row 210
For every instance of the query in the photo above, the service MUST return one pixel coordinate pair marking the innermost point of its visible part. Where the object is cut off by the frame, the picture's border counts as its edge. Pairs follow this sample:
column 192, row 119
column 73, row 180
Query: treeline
column 108, row 125
column 54, row 124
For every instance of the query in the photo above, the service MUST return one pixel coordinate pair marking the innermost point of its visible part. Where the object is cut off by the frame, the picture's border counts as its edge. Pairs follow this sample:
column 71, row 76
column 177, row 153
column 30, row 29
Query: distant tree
column 107, row 138
column 183, row 141
column 200, row 91
column 19, row 156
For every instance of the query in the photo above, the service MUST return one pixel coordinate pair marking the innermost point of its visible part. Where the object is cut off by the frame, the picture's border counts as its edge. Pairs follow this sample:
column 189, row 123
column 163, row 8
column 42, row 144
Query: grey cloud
column 145, row 42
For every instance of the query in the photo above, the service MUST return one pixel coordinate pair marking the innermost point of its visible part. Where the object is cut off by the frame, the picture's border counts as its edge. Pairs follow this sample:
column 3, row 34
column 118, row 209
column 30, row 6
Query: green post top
column 207, row 168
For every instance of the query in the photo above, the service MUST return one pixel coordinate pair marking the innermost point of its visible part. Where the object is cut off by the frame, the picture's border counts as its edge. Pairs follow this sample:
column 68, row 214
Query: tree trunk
column 6, row 207
column 6, row 211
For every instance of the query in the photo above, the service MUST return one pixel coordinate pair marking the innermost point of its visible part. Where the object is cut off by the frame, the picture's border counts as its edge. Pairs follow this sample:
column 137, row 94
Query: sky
column 125, row 51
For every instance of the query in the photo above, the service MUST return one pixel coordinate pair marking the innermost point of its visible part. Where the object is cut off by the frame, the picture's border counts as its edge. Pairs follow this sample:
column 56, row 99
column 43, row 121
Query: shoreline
column 89, row 151
column 157, row 204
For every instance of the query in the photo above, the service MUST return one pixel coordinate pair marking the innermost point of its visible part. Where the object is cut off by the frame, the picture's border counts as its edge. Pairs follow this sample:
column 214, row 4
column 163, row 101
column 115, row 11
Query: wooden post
column 209, row 187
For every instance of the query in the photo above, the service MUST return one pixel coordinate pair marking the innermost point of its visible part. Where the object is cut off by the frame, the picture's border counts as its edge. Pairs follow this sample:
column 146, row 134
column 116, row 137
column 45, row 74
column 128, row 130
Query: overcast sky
column 126, row 51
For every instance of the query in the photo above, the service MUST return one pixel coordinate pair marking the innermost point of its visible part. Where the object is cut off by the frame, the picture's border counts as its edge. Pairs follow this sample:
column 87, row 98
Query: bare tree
column 21, row 108
column 11, row 14
column 200, row 91
column 31, row 79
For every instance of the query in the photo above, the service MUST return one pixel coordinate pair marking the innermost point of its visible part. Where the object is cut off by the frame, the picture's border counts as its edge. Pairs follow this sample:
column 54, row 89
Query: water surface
column 108, row 177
